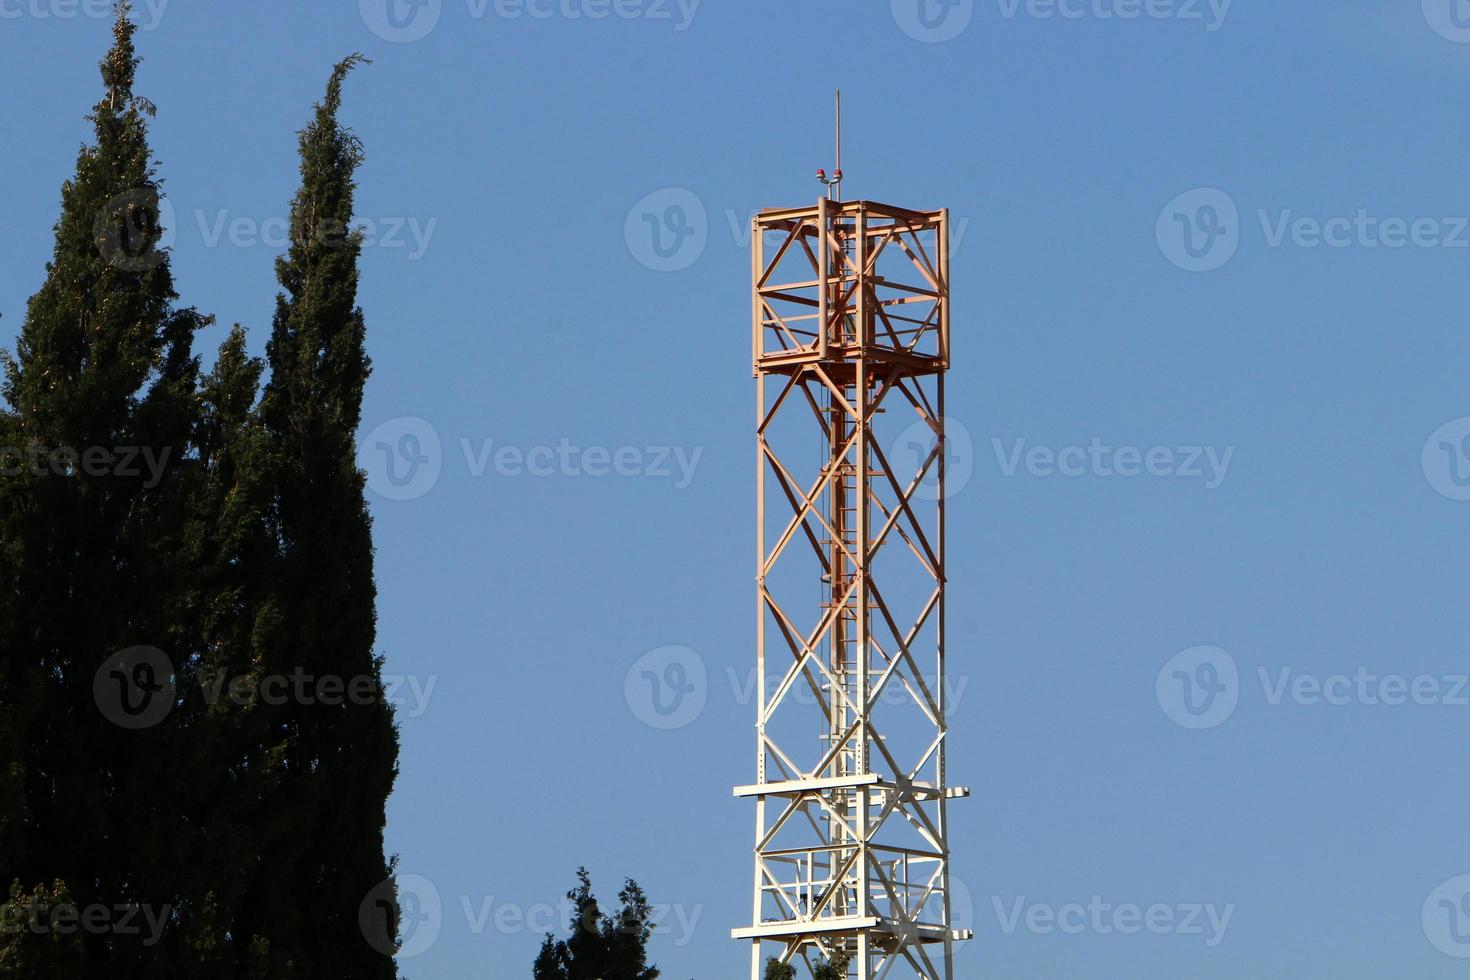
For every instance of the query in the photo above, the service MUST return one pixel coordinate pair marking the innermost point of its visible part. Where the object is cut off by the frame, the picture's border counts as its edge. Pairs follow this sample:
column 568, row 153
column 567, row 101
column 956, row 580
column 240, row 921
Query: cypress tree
column 231, row 757
column 143, row 506
column 337, row 756
column 101, row 401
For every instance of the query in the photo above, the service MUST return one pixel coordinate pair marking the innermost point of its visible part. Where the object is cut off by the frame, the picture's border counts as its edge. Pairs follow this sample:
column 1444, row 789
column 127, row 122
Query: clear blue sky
column 536, row 314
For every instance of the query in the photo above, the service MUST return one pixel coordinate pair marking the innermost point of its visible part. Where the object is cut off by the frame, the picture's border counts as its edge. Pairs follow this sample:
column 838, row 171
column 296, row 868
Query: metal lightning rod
column 835, row 181
column 837, row 188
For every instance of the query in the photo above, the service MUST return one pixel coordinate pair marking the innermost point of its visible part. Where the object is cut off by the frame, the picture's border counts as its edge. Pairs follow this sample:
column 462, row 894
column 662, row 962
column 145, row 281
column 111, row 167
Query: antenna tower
column 850, row 335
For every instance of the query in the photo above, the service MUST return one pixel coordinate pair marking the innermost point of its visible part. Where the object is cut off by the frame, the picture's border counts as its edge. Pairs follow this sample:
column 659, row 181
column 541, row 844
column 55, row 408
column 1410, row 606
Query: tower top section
column 842, row 281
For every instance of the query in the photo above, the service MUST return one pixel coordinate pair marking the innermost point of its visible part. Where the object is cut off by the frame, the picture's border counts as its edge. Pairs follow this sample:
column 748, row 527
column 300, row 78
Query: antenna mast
column 850, row 330
column 834, row 183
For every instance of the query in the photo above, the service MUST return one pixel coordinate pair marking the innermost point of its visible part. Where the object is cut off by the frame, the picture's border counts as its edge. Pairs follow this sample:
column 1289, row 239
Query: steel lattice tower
column 851, row 343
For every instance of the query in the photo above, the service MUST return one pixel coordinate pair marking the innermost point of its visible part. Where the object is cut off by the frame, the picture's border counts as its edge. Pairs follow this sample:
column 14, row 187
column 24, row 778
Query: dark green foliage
column 32, row 948
column 776, row 970
column 832, row 969
column 336, row 762
column 829, row 969
column 601, row 946
column 96, row 560
column 248, row 834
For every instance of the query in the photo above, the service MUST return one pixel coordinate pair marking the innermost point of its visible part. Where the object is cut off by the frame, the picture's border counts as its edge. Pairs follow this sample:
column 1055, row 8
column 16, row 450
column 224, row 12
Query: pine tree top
column 103, row 322
column 120, row 66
